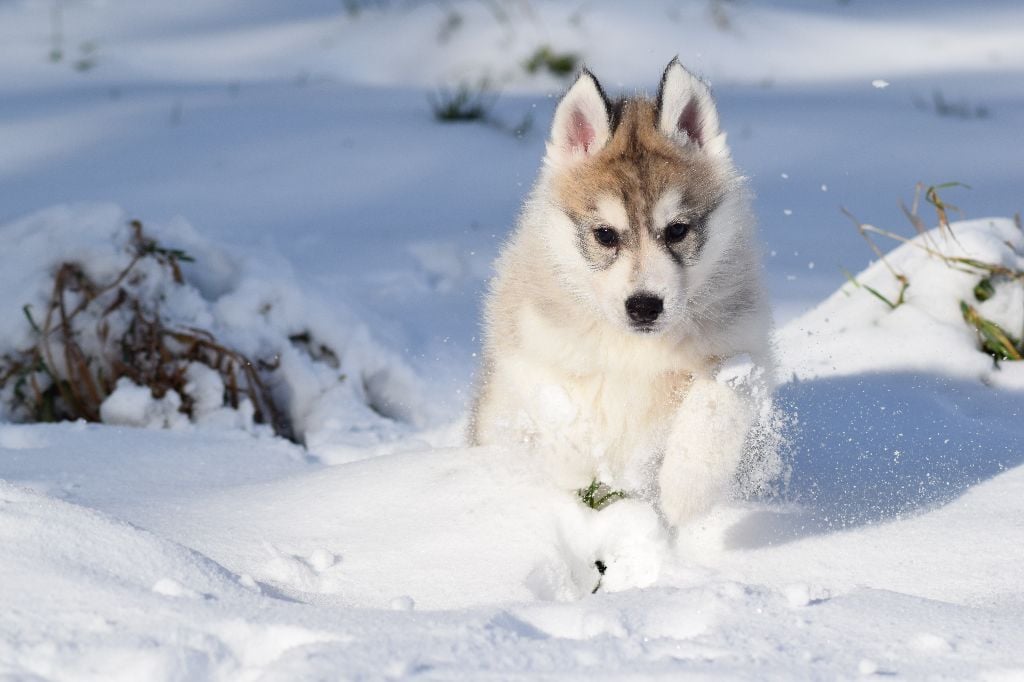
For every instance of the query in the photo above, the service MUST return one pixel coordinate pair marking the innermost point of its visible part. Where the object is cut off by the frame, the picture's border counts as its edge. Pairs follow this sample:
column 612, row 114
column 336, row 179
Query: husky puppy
column 632, row 275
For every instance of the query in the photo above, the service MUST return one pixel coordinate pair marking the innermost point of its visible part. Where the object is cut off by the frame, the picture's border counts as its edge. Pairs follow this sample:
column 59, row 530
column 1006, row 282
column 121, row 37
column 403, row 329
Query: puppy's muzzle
column 644, row 309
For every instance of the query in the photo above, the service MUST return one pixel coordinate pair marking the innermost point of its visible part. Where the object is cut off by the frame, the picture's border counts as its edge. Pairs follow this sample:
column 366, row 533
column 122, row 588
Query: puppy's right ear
column 582, row 124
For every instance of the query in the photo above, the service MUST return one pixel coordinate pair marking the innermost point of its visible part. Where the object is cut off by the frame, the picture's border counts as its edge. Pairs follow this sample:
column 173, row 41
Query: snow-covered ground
column 290, row 148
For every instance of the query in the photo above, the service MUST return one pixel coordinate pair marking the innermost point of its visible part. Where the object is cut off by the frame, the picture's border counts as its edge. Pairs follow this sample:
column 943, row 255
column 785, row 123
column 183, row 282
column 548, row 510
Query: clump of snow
column 169, row 587
column 930, row 643
column 134, row 405
column 320, row 560
column 802, row 594
column 867, row 667
column 316, row 572
column 247, row 581
column 206, row 389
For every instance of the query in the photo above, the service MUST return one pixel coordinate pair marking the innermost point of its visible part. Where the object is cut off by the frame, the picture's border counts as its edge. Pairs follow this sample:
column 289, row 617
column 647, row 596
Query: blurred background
column 380, row 150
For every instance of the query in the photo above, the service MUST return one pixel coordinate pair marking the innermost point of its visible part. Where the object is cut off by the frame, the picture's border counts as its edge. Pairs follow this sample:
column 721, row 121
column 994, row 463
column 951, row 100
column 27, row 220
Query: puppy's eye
column 676, row 232
column 606, row 236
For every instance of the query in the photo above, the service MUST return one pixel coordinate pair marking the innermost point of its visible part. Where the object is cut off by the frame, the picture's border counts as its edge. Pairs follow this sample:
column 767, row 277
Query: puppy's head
column 636, row 189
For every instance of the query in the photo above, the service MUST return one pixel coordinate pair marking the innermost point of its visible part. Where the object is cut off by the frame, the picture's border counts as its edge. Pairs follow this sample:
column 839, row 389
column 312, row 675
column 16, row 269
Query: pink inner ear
column 581, row 133
column 689, row 122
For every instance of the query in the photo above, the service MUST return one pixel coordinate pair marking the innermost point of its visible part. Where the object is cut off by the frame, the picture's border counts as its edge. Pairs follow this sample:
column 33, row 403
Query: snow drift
column 227, row 553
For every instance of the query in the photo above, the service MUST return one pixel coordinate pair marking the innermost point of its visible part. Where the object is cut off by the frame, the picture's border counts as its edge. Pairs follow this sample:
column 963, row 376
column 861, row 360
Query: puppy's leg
column 703, row 450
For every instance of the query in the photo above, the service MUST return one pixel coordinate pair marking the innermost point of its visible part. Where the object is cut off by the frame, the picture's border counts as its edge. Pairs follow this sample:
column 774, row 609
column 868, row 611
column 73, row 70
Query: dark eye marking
column 606, row 236
column 676, row 232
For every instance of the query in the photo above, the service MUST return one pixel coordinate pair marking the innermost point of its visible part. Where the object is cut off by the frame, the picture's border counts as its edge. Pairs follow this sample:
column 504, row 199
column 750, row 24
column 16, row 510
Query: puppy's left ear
column 687, row 112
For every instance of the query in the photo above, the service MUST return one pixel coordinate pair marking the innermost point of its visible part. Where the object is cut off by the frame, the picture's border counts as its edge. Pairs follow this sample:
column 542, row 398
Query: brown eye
column 606, row 236
column 676, row 232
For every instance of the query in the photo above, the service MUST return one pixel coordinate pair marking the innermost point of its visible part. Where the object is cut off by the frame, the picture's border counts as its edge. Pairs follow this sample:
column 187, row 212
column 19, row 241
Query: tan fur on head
column 638, row 167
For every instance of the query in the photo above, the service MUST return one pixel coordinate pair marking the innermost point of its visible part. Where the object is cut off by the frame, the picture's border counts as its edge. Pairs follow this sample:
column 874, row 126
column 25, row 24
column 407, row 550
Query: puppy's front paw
column 703, row 450
column 682, row 497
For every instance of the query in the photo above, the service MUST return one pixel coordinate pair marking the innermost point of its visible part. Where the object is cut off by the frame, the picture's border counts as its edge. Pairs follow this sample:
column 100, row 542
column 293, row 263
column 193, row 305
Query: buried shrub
column 94, row 336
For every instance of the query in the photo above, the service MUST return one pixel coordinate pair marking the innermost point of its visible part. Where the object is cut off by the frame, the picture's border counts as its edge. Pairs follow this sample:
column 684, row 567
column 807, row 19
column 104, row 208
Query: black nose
column 643, row 308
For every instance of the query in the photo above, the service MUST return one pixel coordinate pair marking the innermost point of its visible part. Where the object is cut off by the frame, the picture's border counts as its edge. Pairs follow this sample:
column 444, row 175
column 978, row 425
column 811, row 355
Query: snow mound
column 136, row 606
column 899, row 410
column 340, row 389
column 853, row 332
column 446, row 528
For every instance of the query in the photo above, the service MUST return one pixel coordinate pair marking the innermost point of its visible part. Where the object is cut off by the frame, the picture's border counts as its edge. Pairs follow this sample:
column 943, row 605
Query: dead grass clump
column 92, row 334
column 558, row 64
column 992, row 338
column 465, row 102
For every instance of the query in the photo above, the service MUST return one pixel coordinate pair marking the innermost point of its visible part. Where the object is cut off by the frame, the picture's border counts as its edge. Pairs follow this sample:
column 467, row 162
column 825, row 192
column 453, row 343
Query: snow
column 290, row 150
column 845, row 334
column 134, row 405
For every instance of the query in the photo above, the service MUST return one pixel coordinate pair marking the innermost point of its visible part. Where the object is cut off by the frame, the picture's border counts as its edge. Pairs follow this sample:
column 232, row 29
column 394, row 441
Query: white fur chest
column 593, row 402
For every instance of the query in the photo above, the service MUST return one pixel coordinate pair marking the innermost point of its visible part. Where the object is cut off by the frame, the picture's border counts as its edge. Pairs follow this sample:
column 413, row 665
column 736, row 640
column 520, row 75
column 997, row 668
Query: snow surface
column 320, row 196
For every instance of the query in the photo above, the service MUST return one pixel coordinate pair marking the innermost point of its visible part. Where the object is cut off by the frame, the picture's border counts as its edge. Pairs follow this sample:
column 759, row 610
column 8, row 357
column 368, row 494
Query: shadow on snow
column 870, row 448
